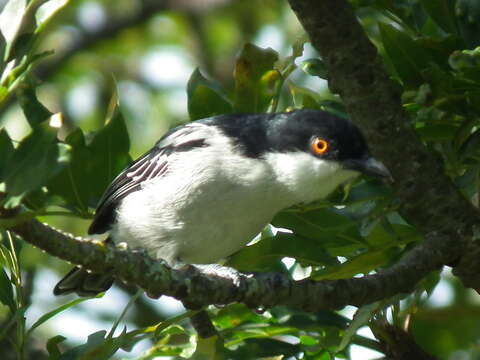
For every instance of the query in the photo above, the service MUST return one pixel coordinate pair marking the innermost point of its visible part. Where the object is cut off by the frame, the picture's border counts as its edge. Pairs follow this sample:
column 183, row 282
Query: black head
column 319, row 133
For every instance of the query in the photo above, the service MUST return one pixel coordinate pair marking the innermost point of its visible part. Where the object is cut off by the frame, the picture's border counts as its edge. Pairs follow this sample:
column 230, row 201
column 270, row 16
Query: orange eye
column 319, row 146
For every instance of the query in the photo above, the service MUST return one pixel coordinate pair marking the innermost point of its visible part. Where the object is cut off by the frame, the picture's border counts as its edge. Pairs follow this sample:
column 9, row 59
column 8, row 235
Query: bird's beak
column 369, row 166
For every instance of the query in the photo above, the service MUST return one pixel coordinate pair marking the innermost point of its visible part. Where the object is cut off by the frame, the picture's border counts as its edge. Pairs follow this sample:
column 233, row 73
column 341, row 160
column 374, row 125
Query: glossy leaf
column 110, row 145
column 408, row 58
column 11, row 20
column 440, row 132
column 52, row 347
column 385, row 233
column 98, row 347
column 17, row 24
column 471, row 147
column 468, row 15
column 6, row 291
column 303, row 98
column 34, row 111
column 236, row 315
column 361, row 264
column 442, row 12
column 6, row 152
column 205, row 98
column 315, row 67
column 207, row 348
column 93, row 165
column 47, row 316
column 43, row 16
column 38, row 158
column 258, row 256
column 255, row 79
column 74, row 182
column 268, row 347
column 336, row 234
column 171, row 341
column 361, row 317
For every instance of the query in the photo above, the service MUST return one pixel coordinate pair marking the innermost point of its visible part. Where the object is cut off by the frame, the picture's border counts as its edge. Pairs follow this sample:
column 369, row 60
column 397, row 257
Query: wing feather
column 153, row 164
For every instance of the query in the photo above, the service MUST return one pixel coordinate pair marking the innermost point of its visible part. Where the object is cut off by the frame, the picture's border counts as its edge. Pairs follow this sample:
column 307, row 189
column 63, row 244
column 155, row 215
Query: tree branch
column 397, row 344
column 263, row 290
column 427, row 197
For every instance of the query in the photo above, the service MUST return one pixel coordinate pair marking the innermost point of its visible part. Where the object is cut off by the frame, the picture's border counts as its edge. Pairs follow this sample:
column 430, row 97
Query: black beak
column 369, row 166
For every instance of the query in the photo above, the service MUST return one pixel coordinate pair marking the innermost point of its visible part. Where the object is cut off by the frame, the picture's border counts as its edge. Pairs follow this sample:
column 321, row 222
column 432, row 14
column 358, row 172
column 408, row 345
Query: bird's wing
column 152, row 164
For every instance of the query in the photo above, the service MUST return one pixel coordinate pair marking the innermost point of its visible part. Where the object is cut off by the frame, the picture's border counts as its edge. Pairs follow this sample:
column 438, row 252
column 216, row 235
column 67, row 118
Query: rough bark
column 427, row 198
column 197, row 288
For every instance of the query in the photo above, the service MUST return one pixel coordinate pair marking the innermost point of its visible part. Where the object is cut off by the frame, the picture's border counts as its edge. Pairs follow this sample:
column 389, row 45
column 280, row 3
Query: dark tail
column 83, row 283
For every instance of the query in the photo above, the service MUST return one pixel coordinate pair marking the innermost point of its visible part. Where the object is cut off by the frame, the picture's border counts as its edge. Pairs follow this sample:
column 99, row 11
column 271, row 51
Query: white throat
column 306, row 177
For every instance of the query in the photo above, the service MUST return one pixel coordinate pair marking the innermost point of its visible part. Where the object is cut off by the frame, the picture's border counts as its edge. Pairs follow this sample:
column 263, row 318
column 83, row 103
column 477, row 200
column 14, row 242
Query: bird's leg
column 201, row 321
column 203, row 325
column 220, row 271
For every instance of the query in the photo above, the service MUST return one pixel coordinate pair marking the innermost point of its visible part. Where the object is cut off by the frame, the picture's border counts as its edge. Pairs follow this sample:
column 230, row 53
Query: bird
column 208, row 187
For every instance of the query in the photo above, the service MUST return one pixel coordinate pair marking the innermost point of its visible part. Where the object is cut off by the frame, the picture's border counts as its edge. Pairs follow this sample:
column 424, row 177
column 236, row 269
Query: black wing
column 151, row 165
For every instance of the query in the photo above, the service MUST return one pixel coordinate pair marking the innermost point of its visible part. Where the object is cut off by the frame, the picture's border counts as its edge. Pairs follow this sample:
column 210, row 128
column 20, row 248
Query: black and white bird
column 208, row 187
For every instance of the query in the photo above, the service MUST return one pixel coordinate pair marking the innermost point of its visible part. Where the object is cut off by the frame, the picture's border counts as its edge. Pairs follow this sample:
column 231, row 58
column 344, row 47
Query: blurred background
column 149, row 49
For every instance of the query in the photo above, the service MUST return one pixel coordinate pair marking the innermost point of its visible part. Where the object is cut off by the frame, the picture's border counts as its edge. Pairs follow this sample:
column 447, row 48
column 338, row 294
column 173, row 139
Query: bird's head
column 313, row 152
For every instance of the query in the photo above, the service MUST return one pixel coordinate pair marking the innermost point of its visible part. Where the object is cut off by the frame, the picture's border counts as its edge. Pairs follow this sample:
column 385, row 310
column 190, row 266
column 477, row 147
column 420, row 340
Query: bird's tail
column 83, row 283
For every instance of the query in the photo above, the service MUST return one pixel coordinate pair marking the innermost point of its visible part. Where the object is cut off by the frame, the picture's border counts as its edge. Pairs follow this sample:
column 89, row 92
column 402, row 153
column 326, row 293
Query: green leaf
column 471, row 147
column 288, row 63
column 75, row 181
column 335, row 107
column 268, row 347
column 437, row 132
column 272, row 249
column 38, row 158
column 98, row 347
column 387, row 234
column 93, row 166
column 17, row 22
column 205, row 98
column 313, row 222
column 361, row 264
column 6, row 291
column 468, row 15
column 52, row 346
column 367, row 190
column 315, row 67
column 430, row 282
column 43, row 15
column 155, row 331
column 408, row 58
column 51, row 314
column 443, row 13
column 255, row 79
column 109, row 147
column 206, row 349
column 303, row 98
column 361, row 318
column 11, row 21
column 3, row 93
column 234, row 315
column 171, row 341
column 34, row 111
column 253, row 331
column 6, row 151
